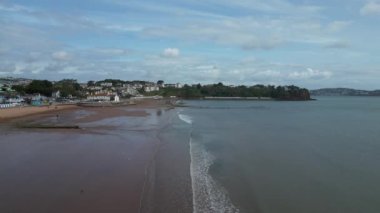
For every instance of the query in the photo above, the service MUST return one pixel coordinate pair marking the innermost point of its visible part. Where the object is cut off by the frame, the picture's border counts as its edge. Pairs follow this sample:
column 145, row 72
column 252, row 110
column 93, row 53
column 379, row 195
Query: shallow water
column 270, row 157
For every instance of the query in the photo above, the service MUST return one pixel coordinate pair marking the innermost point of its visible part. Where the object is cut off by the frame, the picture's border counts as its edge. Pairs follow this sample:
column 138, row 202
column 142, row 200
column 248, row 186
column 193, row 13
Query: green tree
column 19, row 88
column 91, row 83
column 68, row 87
column 44, row 87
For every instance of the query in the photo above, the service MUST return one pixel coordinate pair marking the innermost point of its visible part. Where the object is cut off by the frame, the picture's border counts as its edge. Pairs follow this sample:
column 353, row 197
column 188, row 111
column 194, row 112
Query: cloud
column 248, row 32
column 17, row 36
column 269, row 74
column 122, row 28
column 337, row 26
column 337, row 45
column 61, row 56
column 371, row 8
column 113, row 51
column 267, row 6
column 310, row 74
column 265, row 44
column 46, row 41
column 14, row 8
column 209, row 71
column 171, row 52
column 19, row 69
column 68, row 70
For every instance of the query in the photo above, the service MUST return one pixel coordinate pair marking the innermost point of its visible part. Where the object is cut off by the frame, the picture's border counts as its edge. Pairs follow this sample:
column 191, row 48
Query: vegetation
column 66, row 87
column 19, row 88
column 118, row 82
column 220, row 90
column 115, row 82
column 70, row 87
column 44, row 87
column 91, row 83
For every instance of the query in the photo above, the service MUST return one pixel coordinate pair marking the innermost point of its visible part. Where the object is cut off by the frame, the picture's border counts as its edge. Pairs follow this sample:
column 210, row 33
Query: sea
column 318, row 156
column 208, row 156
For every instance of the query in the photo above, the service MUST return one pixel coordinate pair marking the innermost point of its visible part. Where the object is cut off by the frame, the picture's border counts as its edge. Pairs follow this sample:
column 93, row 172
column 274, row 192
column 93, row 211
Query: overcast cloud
column 313, row 45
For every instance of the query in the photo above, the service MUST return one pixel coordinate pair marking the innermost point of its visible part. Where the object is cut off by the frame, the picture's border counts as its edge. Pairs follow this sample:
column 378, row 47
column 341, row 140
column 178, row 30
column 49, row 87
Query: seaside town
column 23, row 92
column 27, row 92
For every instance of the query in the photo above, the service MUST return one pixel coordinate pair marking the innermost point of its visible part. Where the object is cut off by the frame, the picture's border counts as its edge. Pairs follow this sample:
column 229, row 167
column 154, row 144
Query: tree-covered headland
column 220, row 90
column 71, row 88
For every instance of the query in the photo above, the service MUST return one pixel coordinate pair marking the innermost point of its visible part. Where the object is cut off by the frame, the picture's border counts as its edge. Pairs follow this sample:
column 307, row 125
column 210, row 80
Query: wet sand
column 17, row 112
column 118, row 166
column 172, row 183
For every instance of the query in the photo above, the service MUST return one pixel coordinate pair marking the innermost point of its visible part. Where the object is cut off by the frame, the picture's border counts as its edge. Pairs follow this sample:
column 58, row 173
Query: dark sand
column 20, row 112
column 120, row 165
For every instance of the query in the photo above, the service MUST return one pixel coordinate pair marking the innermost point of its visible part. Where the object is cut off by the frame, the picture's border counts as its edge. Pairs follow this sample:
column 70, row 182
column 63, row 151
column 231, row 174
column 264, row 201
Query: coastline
column 18, row 112
column 169, row 183
column 15, row 113
column 101, row 167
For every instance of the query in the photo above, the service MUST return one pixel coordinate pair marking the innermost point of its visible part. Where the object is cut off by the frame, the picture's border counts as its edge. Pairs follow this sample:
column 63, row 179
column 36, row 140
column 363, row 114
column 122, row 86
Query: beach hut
column 36, row 102
column 56, row 94
column 116, row 98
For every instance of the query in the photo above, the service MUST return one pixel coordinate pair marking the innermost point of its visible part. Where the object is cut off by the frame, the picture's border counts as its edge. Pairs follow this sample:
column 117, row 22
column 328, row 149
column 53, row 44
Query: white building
column 131, row 91
column 17, row 100
column 151, row 88
column 92, row 88
column 177, row 85
column 99, row 97
column 106, row 84
column 116, row 98
column 56, row 94
column 137, row 86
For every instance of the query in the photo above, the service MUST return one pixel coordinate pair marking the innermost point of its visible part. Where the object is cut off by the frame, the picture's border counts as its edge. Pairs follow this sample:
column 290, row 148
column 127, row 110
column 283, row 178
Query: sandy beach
column 99, row 112
column 120, row 160
column 17, row 112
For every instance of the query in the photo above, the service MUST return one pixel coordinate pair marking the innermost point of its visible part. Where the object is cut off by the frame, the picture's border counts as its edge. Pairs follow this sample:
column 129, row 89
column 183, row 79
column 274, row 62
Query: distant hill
column 343, row 92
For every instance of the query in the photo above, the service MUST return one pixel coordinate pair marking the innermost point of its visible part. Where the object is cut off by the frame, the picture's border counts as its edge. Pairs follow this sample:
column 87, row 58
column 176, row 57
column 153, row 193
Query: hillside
column 343, row 92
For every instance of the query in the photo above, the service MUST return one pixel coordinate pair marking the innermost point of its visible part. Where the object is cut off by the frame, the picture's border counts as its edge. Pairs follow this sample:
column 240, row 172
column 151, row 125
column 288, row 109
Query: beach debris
column 50, row 126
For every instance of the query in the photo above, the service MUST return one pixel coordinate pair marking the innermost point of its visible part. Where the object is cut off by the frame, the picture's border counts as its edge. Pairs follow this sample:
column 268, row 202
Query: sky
column 313, row 44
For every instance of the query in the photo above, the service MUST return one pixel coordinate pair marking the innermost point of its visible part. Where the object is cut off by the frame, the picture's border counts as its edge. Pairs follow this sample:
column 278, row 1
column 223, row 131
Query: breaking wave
column 186, row 118
column 208, row 195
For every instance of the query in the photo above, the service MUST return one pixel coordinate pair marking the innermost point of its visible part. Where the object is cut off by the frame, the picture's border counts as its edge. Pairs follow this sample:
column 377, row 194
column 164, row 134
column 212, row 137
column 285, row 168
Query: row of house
column 177, row 85
column 14, row 81
column 9, row 97
column 131, row 89
column 103, row 97
column 34, row 100
column 97, row 91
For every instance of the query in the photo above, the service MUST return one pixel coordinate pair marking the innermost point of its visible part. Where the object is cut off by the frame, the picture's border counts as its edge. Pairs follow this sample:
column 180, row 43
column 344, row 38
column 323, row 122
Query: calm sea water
column 285, row 157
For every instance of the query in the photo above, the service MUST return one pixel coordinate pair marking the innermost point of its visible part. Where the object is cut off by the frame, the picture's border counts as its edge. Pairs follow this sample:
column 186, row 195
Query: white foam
column 185, row 118
column 208, row 195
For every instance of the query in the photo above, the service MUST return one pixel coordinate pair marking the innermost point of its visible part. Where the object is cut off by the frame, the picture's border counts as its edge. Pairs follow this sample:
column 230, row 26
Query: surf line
column 208, row 195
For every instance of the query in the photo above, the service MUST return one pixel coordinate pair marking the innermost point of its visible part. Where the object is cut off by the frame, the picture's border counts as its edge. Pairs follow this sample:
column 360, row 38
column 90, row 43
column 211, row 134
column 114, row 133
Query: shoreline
column 15, row 113
column 168, row 182
column 120, row 161
column 10, row 114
